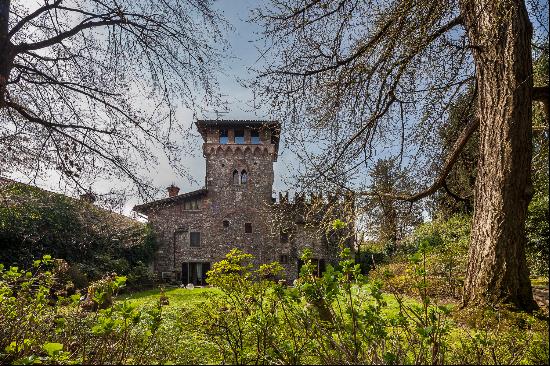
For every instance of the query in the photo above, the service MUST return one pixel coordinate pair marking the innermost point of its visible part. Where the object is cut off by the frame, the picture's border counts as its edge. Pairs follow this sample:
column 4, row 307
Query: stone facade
column 235, row 209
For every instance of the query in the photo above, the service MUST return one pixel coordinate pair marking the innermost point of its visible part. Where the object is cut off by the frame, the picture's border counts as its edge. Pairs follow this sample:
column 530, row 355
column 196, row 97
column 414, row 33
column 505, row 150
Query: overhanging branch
column 29, row 116
column 440, row 181
column 23, row 47
column 31, row 16
column 454, row 195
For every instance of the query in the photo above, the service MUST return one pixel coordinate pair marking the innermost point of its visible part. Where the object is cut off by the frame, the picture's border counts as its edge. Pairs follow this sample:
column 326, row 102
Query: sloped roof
column 7, row 181
column 144, row 208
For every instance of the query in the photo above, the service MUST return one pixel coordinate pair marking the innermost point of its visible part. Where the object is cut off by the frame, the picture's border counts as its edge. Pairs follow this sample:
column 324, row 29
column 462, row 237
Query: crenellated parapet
column 316, row 199
column 236, row 150
column 314, row 209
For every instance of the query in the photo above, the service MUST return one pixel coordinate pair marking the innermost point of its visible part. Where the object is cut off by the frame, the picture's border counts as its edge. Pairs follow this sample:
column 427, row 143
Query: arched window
column 235, row 177
column 244, row 177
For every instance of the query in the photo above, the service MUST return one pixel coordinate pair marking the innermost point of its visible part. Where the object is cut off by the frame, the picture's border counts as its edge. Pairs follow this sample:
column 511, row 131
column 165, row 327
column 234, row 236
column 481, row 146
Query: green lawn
column 179, row 297
column 539, row 281
column 176, row 296
column 497, row 331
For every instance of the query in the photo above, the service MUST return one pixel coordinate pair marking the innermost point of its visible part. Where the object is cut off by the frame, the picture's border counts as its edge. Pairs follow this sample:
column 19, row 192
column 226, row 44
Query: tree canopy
column 361, row 78
column 87, row 87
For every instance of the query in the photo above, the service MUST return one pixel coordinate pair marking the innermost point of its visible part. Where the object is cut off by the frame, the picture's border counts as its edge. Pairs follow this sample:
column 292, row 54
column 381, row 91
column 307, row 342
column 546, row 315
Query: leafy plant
column 94, row 241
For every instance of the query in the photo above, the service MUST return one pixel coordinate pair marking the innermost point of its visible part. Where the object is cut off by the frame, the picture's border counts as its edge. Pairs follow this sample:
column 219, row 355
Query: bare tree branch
column 33, row 15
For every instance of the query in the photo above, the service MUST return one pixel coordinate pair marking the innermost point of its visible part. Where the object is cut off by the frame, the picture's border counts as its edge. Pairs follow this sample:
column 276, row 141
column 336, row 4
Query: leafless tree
column 357, row 78
column 88, row 87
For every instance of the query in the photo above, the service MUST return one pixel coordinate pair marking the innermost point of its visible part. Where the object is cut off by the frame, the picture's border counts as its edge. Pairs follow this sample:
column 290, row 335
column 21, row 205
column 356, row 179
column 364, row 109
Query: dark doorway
column 194, row 272
column 319, row 266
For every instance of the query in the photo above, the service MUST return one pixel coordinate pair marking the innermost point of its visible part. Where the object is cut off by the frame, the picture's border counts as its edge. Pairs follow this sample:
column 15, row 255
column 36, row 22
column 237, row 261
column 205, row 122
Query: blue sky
column 236, row 67
column 242, row 57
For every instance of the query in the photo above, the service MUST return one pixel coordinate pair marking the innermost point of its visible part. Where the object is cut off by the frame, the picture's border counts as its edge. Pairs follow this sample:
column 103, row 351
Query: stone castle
column 236, row 209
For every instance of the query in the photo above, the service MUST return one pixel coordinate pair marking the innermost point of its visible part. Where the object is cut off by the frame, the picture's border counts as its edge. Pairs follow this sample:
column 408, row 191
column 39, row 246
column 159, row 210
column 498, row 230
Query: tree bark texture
column 500, row 34
column 6, row 49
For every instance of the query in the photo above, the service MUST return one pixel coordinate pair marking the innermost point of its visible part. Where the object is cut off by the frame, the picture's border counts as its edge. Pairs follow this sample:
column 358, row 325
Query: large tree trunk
column 6, row 49
column 500, row 35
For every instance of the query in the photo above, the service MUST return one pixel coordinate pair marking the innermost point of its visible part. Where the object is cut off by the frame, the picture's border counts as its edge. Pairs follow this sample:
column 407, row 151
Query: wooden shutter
column 185, row 273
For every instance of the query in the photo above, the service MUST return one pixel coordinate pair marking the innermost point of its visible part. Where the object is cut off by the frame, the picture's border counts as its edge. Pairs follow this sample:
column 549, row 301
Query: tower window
column 236, row 177
column 225, row 223
column 239, row 136
column 254, row 137
column 283, row 259
column 284, row 237
column 244, row 177
column 248, row 228
column 195, row 239
column 224, row 137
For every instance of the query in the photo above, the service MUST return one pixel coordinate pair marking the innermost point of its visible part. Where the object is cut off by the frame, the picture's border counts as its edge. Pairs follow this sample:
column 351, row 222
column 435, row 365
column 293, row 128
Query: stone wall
column 269, row 221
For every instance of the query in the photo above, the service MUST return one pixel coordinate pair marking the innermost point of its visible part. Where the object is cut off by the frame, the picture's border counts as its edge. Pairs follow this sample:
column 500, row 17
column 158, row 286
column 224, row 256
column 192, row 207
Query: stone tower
column 239, row 180
column 236, row 209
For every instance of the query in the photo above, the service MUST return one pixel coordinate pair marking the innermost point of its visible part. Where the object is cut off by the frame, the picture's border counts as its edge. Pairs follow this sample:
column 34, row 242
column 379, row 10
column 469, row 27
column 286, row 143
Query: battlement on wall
column 310, row 199
column 243, row 149
column 314, row 208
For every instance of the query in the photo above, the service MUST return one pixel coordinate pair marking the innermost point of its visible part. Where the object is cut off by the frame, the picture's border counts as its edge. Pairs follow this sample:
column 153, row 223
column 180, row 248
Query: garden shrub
column 334, row 319
column 502, row 336
column 445, row 245
column 37, row 327
column 94, row 241
column 342, row 318
column 338, row 318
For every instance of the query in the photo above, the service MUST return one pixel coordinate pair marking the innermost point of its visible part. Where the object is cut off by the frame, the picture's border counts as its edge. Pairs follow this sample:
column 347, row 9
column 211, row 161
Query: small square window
column 248, row 228
column 191, row 205
column 239, row 136
column 195, row 239
column 225, row 223
column 283, row 259
column 254, row 137
column 224, row 138
column 284, row 237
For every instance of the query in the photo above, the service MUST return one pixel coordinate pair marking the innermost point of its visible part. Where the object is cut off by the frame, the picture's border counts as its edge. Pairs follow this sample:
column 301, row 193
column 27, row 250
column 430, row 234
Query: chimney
column 173, row 190
column 88, row 197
